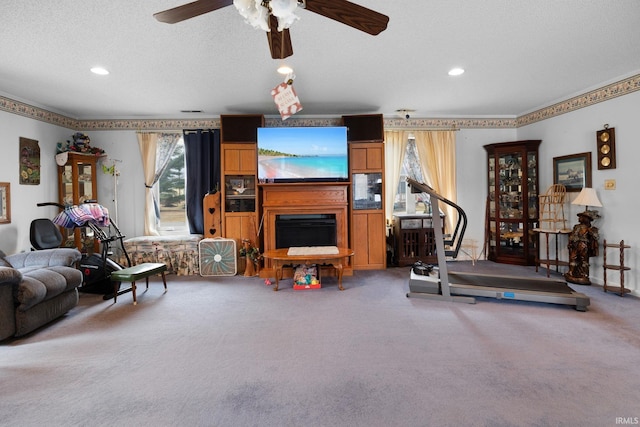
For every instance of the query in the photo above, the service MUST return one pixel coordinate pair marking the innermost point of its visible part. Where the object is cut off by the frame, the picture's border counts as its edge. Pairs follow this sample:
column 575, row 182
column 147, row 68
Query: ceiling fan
column 275, row 17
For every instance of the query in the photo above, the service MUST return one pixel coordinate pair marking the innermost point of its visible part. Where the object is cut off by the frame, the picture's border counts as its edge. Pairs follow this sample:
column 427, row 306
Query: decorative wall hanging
column 5, row 203
column 606, row 147
column 573, row 171
column 286, row 98
column 29, row 161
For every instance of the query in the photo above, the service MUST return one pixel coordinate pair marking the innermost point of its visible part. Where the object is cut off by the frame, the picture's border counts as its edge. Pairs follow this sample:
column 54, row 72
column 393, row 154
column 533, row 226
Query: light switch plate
column 609, row 184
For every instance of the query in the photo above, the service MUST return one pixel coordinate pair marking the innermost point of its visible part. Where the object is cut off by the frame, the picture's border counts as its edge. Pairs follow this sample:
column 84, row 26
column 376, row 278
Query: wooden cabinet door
column 366, row 157
column 369, row 240
column 239, row 159
column 239, row 226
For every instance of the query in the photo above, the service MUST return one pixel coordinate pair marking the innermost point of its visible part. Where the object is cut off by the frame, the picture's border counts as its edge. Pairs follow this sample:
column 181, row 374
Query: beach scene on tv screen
column 302, row 153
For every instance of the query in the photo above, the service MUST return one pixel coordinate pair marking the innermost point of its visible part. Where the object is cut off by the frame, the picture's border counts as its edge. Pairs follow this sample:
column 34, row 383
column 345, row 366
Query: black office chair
column 44, row 234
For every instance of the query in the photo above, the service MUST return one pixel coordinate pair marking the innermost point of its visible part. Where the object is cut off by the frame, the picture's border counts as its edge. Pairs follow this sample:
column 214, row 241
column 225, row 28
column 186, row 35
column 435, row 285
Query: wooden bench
column 135, row 273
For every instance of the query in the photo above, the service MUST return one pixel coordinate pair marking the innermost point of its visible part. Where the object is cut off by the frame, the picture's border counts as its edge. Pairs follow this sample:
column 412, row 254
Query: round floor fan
column 275, row 17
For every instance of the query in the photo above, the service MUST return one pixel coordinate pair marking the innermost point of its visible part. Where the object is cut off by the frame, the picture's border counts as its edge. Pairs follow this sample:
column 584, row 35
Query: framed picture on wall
column 29, row 161
column 573, row 171
column 5, row 203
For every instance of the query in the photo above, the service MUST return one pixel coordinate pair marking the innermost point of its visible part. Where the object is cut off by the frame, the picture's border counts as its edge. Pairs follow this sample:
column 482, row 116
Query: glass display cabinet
column 240, row 193
column 367, row 190
column 512, row 206
column 77, row 184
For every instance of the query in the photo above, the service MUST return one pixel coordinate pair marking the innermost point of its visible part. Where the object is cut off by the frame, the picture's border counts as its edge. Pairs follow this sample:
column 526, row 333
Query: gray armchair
column 37, row 287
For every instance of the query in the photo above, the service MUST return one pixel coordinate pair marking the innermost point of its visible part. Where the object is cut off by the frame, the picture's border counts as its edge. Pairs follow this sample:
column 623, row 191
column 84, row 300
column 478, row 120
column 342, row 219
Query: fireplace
column 305, row 230
column 322, row 207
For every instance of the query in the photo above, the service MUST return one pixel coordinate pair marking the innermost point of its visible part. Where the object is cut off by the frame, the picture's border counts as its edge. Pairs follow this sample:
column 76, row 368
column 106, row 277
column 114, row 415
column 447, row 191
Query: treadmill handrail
column 456, row 241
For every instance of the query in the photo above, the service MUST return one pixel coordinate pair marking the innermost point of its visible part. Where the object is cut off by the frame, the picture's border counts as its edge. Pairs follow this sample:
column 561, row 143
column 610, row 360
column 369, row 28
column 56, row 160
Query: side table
column 547, row 260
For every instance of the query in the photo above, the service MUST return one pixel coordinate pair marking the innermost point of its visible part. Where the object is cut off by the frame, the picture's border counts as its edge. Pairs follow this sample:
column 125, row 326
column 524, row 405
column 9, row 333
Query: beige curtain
column 148, row 143
column 395, row 145
column 437, row 152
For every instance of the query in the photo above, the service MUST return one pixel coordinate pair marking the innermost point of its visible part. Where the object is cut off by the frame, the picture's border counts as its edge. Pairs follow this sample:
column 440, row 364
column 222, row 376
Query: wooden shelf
column 620, row 290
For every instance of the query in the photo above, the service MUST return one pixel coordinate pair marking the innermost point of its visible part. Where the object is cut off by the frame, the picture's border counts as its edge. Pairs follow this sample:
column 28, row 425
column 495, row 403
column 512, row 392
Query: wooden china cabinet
column 77, row 184
column 512, row 206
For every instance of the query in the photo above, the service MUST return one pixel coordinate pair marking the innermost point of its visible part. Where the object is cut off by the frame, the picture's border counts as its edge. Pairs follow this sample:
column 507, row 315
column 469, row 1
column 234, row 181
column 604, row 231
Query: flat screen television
column 303, row 154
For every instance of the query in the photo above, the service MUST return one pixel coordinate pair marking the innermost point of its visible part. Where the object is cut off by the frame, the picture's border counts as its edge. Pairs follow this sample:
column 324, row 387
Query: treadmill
column 438, row 283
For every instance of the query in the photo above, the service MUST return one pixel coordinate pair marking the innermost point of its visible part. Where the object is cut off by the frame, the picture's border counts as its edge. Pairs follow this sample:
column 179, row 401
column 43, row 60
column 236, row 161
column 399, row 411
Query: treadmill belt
column 508, row 282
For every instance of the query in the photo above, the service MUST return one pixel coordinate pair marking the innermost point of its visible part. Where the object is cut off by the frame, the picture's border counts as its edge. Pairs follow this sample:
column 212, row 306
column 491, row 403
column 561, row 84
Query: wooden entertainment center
column 358, row 205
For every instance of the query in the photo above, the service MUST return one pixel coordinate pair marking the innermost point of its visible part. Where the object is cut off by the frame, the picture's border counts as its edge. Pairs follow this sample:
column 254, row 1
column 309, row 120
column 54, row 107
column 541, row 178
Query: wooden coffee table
column 280, row 258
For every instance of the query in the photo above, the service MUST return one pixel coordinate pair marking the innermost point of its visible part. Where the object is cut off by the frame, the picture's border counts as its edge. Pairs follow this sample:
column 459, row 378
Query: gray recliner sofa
column 37, row 287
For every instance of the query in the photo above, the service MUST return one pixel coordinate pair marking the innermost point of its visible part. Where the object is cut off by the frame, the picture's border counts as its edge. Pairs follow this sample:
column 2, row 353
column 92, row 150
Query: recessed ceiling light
column 456, row 71
column 100, row 71
column 285, row 69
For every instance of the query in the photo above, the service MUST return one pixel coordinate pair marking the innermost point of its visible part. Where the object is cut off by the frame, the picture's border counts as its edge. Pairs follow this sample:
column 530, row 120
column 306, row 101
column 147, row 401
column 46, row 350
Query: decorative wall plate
column 605, row 141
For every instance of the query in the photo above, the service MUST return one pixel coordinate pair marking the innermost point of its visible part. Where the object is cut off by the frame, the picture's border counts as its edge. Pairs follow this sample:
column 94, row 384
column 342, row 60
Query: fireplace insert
column 305, row 230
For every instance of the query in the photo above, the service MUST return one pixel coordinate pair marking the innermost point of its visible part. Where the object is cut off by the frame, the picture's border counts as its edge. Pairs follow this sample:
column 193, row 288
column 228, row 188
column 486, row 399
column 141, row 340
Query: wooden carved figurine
column 249, row 271
column 583, row 243
column 252, row 257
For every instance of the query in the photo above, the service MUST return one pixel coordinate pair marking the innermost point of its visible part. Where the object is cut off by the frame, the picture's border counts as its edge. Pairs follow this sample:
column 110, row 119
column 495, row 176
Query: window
column 171, row 189
column 411, row 169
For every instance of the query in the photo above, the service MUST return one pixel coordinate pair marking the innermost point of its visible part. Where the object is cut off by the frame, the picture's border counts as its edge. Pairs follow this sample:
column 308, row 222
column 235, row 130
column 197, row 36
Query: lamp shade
column 587, row 197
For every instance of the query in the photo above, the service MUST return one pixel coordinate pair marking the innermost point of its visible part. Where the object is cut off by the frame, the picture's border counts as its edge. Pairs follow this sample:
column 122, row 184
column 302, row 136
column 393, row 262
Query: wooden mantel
column 303, row 198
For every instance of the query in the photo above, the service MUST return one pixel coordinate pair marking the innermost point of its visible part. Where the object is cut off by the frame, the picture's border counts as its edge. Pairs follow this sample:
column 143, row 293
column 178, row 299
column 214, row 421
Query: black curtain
column 202, row 159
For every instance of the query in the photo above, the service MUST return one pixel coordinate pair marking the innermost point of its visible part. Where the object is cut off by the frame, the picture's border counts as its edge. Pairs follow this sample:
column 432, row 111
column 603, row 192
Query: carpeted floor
column 231, row 352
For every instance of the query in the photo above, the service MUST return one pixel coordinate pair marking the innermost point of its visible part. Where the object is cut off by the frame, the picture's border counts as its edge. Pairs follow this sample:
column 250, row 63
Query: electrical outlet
column 609, row 184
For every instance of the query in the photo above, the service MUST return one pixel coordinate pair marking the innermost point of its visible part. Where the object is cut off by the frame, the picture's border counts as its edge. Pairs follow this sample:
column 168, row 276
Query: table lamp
column 588, row 197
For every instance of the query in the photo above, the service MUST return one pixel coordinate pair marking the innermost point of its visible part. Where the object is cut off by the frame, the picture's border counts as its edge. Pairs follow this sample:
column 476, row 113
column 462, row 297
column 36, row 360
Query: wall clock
column 606, row 148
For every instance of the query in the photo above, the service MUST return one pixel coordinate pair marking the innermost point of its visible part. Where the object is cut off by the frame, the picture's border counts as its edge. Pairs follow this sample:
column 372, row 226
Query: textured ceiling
column 519, row 56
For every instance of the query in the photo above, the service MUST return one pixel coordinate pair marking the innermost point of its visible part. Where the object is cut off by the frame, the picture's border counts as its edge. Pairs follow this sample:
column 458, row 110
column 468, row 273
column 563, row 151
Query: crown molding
column 613, row 90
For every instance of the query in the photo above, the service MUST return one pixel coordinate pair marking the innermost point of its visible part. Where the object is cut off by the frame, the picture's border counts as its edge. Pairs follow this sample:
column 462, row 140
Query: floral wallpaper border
column 26, row 110
column 614, row 90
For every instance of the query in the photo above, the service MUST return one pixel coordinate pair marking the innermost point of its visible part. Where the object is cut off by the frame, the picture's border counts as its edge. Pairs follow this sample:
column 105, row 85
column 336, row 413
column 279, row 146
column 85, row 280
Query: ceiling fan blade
column 190, row 10
column 350, row 14
column 279, row 41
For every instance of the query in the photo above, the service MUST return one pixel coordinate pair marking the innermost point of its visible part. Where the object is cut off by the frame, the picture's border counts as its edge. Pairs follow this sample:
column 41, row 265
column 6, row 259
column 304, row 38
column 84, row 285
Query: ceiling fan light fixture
column 284, row 11
column 279, row 15
column 254, row 13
